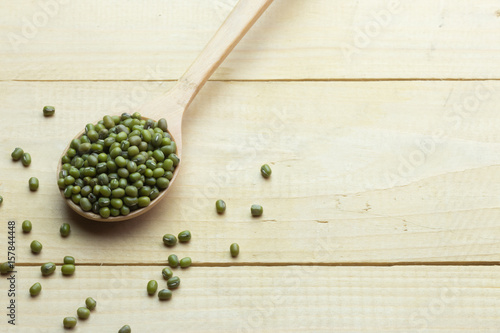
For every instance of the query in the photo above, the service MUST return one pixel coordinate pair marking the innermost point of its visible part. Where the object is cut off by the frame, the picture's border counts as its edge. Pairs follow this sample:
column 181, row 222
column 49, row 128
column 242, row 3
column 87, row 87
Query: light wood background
column 380, row 123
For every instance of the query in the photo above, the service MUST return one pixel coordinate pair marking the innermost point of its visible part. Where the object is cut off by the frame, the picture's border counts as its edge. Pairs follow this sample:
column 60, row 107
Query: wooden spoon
column 173, row 104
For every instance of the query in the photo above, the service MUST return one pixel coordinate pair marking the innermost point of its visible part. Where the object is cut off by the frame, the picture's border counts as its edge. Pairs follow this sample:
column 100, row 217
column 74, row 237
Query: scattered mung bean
column 266, row 171
column 69, row 322
column 48, row 111
column 33, row 184
column 26, row 226
column 68, row 269
column 36, row 246
column 26, row 159
column 173, row 282
column 173, row 261
column 90, row 303
column 185, row 262
column 17, row 154
column 184, row 236
column 35, row 289
column 169, row 240
column 69, row 260
column 234, row 249
column 152, row 287
column 65, row 229
column 256, row 210
column 83, row 313
column 164, row 294
column 125, row 329
column 220, row 206
column 6, row 267
column 48, row 268
column 167, row 273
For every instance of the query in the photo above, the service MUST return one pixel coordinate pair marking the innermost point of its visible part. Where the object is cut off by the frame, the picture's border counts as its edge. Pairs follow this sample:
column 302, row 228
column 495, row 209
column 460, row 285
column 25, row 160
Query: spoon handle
column 236, row 25
column 239, row 21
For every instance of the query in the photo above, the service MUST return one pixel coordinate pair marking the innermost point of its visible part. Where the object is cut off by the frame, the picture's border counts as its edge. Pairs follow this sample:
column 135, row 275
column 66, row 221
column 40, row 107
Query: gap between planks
column 281, row 80
column 274, row 264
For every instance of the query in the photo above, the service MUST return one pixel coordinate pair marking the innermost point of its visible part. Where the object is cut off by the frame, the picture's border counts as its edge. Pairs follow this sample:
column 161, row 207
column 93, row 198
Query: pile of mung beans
column 118, row 165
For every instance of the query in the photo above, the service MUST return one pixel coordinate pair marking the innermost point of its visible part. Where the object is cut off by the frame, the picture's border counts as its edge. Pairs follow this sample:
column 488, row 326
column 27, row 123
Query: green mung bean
column 162, row 124
column 174, row 158
column 184, row 236
column 256, row 210
column 169, row 240
column 152, row 287
column 108, row 122
column 35, row 289
column 26, row 226
column 48, row 268
column 173, row 261
column 167, row 273
column 124, row 210
column 65, row 229
column 105, row 212
column 158, row 155
column 103, row 202
column 234, row 249
column 83, row 313
column 90, row 303
column 85, row 204
column 36, row 246
column 125, row 329
column 6, row 267
column 164, row 294
column 68, row 269
column 26, row 159
column 69, row 322
column 69, row 260
column 185, row 262
column 17, row 154
column 143, row 201
column 220, row 206
column 266, row 171
column 48, row 111
column 33, row 183
column 173, row 282
column 154, row 194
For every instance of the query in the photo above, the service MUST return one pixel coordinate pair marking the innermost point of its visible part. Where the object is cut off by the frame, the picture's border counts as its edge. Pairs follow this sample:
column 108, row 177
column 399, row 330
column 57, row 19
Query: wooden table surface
column 380, row 120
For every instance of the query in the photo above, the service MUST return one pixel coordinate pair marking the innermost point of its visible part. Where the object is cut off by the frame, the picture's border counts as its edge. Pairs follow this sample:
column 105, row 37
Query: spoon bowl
column 135, row 213
column 172, row 105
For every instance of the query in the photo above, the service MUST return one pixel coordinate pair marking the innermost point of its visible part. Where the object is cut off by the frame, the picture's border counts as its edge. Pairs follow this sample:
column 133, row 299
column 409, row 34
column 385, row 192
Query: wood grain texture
column 295, row 39
column 267, row 299
column 363, row 172
column 373, row 169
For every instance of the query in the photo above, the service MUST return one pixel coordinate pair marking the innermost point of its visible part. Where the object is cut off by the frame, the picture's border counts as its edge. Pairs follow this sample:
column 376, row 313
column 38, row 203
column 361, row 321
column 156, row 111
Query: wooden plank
column 295, row 39
column 266, row 299
column 364, row 172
